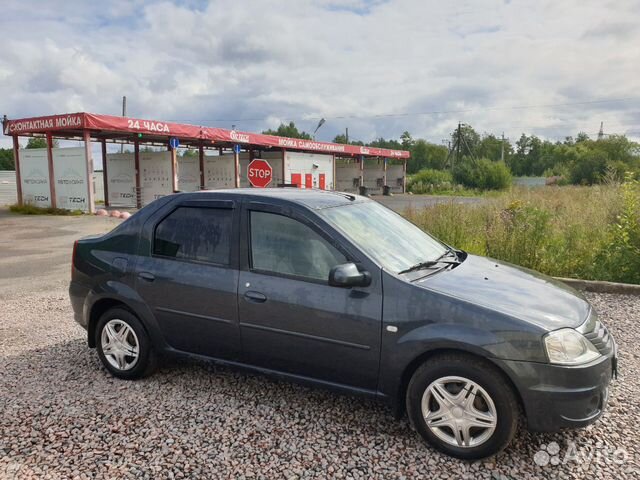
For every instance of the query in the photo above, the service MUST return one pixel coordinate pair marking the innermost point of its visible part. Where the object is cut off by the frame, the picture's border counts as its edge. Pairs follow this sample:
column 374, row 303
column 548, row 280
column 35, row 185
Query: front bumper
column 556, row 396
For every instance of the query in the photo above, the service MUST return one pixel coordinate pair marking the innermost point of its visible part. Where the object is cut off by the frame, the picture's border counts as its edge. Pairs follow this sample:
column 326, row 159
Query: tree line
column 579, row 160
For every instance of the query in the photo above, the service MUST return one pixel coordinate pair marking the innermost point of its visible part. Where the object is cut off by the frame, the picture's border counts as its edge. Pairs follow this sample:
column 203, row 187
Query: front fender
column 418, row 322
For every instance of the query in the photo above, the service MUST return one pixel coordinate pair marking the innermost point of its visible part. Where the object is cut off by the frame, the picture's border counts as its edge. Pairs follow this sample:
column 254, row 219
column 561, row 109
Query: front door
column 189, row 279
column 291, row 320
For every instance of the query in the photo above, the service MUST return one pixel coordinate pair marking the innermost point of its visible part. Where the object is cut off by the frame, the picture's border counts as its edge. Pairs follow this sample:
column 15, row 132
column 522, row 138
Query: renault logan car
column 336, row 290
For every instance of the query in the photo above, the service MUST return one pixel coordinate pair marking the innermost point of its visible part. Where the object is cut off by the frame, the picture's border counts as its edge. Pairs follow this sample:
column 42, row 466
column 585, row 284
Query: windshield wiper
column 432, row 263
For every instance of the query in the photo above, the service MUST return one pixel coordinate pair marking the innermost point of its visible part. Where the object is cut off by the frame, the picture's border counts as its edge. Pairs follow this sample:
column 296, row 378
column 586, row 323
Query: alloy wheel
column 120, row 344
column 459, row 412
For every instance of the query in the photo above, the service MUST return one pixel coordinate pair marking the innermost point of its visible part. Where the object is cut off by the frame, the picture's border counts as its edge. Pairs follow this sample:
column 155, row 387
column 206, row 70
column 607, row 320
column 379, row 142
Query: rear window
column 195, row 233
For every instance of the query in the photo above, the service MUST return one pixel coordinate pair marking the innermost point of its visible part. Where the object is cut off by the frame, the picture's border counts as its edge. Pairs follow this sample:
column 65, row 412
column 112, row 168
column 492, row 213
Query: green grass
column 578, row 232
column 28, row 209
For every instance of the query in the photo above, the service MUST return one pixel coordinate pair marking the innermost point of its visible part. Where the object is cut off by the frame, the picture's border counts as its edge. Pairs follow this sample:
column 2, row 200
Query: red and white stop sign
column 259, row 173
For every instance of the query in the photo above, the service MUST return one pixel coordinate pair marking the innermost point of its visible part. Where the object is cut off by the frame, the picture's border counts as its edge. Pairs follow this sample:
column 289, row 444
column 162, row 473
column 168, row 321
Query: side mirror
column 347, row 275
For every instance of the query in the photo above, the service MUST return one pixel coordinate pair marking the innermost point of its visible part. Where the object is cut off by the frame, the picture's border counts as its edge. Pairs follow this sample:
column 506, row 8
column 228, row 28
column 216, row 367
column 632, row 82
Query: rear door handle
column 255, row 297
column 149, row 277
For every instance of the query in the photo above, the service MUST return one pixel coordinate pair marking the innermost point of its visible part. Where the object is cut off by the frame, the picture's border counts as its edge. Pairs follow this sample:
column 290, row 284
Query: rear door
column 291, row 320
column 189, row 279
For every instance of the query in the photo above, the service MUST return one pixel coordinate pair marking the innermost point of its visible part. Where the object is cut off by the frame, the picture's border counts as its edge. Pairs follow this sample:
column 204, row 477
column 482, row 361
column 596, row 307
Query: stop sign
column 259, row 173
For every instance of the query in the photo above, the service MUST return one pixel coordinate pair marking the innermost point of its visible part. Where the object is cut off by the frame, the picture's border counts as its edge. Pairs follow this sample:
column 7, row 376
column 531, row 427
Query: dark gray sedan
column 338, row 291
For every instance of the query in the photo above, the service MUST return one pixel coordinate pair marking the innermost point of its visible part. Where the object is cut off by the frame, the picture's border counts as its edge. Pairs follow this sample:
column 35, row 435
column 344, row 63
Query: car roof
column 310, row 198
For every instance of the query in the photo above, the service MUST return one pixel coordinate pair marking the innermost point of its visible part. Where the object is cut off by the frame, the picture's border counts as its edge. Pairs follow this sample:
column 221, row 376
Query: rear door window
column 285, row 246
column 195, row 233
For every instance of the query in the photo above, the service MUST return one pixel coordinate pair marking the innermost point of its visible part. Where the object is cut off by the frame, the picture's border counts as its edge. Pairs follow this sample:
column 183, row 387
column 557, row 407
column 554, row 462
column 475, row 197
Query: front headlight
column 568, row 347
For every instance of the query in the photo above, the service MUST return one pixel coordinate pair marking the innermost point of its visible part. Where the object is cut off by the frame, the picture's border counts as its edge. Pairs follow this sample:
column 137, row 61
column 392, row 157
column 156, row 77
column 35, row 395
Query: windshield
column 395, row 243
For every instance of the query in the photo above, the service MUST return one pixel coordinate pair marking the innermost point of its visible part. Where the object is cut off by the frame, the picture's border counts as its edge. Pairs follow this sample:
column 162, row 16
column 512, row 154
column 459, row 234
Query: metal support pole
column 16, row 160
column 362, row 170
column 284, row 168
column 174, row 169
column 334, row 181
column 404, row 176
column 90, row 187
column 136, row 159
column 384, row 170
column 124, row 114
column 236, row 161
column 105, row 173
column 52, row 183
column 201, row 166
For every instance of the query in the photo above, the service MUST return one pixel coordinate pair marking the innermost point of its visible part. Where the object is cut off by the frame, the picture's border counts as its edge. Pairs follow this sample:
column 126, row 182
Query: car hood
column 516, row 291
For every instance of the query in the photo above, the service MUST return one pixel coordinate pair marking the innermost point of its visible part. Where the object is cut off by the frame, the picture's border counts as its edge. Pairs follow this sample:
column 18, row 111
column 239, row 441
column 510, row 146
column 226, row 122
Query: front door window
column 285, row 246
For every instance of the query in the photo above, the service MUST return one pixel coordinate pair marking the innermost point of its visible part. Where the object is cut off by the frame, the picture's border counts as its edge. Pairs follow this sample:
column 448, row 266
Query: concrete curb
column 601, row 287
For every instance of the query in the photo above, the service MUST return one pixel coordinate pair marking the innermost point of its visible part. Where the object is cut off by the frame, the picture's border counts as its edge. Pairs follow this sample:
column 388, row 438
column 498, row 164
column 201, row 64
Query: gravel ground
column 63, row 416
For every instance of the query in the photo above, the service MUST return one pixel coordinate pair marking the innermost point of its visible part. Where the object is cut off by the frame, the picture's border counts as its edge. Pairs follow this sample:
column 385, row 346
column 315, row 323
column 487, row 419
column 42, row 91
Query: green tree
column 382, row 143
column 39, row 142
column 483, row 174
column 589, row 167
column 36, row 142
column 582, row 137
column 342, row 138
column 468, row 142
column 491, row 146
column 290, row 131
column 427, row 155
column 406, row 140
column 6, row 159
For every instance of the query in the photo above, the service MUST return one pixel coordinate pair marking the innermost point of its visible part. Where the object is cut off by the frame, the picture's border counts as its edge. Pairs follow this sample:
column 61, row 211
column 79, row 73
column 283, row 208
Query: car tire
column 463, row 393
column 123, row 345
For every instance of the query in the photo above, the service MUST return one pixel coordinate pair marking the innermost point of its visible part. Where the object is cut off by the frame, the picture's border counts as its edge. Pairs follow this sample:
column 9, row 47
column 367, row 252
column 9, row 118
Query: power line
column 434, row 112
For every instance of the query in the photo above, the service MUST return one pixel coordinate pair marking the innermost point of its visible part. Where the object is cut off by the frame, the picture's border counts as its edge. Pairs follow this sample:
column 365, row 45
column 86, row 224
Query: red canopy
column 108, row 123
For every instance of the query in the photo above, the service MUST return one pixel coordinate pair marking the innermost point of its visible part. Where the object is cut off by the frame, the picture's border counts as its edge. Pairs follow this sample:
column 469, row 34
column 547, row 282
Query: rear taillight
column 73, row 257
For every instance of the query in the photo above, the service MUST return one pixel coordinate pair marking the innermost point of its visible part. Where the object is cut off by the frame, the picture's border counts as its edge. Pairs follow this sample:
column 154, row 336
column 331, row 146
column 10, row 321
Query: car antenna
column 348, row 196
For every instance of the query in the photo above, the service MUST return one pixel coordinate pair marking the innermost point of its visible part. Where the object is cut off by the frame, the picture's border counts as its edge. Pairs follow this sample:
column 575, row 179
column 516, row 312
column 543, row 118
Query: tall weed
column 580, row 232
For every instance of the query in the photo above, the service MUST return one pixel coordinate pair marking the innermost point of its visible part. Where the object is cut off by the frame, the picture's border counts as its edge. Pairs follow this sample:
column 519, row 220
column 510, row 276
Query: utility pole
column 502, row 149
column 124, row 114
column 458, row 142
column 346, row 135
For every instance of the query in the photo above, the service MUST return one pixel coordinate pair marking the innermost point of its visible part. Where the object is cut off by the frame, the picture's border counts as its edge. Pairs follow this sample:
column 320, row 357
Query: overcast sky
column 377, row 67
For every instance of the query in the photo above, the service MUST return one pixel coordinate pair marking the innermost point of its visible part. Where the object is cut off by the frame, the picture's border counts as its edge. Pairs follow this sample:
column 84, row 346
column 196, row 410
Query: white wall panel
column 219, row 171
column 347, row 175
column 34, row 174
column 70, row 176
column 373, row 176
column 394, row 178
column 121, row 172
column 188, row 174
column 155, row 175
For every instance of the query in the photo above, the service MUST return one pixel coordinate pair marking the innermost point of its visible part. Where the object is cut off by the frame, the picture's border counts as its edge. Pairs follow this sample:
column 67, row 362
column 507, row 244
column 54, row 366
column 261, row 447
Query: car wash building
column 218, row 158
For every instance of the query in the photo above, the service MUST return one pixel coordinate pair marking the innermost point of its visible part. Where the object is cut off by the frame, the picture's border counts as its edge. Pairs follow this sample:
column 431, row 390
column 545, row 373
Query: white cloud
column 254, row 63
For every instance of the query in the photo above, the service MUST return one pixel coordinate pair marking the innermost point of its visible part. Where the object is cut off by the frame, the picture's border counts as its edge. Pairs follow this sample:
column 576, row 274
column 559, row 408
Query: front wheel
column 462, row 406
column 123, row 345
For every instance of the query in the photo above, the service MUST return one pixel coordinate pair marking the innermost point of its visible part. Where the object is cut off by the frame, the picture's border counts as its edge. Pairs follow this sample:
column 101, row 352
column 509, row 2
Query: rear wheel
column 463, row 406
column 123, row 345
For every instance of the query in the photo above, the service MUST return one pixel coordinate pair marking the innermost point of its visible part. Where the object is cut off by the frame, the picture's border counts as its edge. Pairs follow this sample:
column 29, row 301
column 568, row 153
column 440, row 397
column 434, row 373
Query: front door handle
column 255, row 297
column 149, row 277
